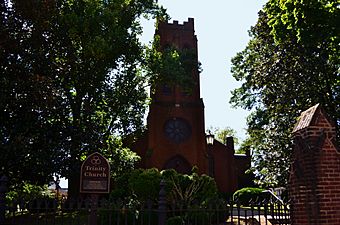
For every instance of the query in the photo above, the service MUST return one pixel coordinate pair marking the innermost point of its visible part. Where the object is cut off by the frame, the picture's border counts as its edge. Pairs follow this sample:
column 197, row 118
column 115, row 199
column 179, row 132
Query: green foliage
column 171, row 66
column 187, row 189
column 290, row 64
column 43, row 203
column 128, row 215
column 121, row 188
column 27, row 192
column 245, row 195
column 311, row 21
column 175, row 220
column 138, row 184
column 144, row 184
column 70, row 79
column 121, row 159
column 183, row 191
column 221, row 134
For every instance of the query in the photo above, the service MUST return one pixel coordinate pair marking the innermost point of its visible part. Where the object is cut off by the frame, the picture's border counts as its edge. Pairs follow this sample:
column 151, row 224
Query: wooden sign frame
column 95, row 175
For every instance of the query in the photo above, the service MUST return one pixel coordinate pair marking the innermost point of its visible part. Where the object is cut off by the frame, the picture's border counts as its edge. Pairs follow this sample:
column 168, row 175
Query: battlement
column 179, row 35
column 187, row 25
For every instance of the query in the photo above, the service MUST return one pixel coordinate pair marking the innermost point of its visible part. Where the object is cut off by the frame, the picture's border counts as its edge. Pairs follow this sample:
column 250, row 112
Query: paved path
column 245, row 213
column 250, row 221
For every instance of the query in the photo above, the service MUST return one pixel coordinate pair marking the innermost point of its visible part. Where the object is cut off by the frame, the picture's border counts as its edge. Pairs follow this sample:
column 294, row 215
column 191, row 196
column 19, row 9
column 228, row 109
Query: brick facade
column 170, row 104
column 174, row 105
column 314, row 183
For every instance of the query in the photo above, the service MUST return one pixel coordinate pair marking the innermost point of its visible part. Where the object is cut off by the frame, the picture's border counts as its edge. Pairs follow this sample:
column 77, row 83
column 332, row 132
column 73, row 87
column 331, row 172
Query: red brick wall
column 314, row 183
column 163, row 149
column 224, row 167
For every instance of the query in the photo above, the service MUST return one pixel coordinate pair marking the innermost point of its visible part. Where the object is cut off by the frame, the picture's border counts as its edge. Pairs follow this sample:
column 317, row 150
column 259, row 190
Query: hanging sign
column 95, row 175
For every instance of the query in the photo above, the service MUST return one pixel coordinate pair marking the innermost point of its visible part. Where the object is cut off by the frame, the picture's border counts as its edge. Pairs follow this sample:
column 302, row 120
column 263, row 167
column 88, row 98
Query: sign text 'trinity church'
column 95, row 175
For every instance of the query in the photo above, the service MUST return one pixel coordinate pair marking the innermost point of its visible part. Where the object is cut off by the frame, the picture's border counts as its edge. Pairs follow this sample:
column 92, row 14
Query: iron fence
column 68, row 212
column 94, row 211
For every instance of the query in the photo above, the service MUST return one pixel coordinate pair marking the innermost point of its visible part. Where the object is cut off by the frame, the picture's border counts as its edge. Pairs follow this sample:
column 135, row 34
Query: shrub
column 30, row 196
column 246, row 195
column 191, row 197
column 121, row 188
column 145, row 183
column 42, row 204
column 175, row 220
column 26, row 192
column 189, row 189
column 139, row 184
column 127, row 215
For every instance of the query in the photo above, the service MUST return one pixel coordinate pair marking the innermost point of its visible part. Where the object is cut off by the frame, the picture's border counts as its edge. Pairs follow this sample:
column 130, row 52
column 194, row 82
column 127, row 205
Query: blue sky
column 222, row 28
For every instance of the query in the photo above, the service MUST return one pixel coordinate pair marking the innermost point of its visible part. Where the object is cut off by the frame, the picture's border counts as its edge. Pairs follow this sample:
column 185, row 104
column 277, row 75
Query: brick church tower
column 175, row 136
column 176, row 133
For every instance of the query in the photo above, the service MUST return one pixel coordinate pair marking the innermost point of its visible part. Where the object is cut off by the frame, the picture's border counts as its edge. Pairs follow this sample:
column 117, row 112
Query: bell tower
column 176, row 132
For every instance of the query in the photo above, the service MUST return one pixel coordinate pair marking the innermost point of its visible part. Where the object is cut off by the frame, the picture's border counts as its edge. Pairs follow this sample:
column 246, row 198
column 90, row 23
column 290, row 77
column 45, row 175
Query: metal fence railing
column 94, row 211
column 67, row 212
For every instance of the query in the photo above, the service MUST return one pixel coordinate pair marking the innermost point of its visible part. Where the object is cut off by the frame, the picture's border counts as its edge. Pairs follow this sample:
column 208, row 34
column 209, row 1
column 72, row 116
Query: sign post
column 95, row 180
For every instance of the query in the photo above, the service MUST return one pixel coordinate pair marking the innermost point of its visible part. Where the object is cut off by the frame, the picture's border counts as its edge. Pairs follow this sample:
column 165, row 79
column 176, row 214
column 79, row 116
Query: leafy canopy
column 290, row 64
column 221, row 134
column 71, row 82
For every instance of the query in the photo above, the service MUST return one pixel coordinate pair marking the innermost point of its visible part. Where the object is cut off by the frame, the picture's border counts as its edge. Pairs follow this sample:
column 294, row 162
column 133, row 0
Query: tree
column 70, row 82
column 161, row 62
column 221, row 134
column 290, row 64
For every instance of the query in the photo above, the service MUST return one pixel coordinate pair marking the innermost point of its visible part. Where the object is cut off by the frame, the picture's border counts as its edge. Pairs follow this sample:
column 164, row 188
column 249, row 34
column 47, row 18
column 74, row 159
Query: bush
column 32, row 197
column 212, row 212
column 183, row 191
column 191, row 198
column 247, row 195
column 42, row 204
column 145, row 184
column 189, row 189
column 121, row 188
column 126, row 215
column 176, row 220
column 26, row 192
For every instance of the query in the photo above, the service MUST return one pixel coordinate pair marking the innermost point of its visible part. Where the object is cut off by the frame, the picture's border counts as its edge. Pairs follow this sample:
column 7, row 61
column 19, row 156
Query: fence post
column 93, row 220
column 3, row 190
column 162, row 206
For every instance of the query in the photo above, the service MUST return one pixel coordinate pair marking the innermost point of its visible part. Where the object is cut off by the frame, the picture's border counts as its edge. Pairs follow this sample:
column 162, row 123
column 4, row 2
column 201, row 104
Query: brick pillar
column 314, row 183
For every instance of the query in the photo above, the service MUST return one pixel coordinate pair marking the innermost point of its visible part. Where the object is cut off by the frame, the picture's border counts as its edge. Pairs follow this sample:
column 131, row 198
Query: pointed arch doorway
column 178, row 163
